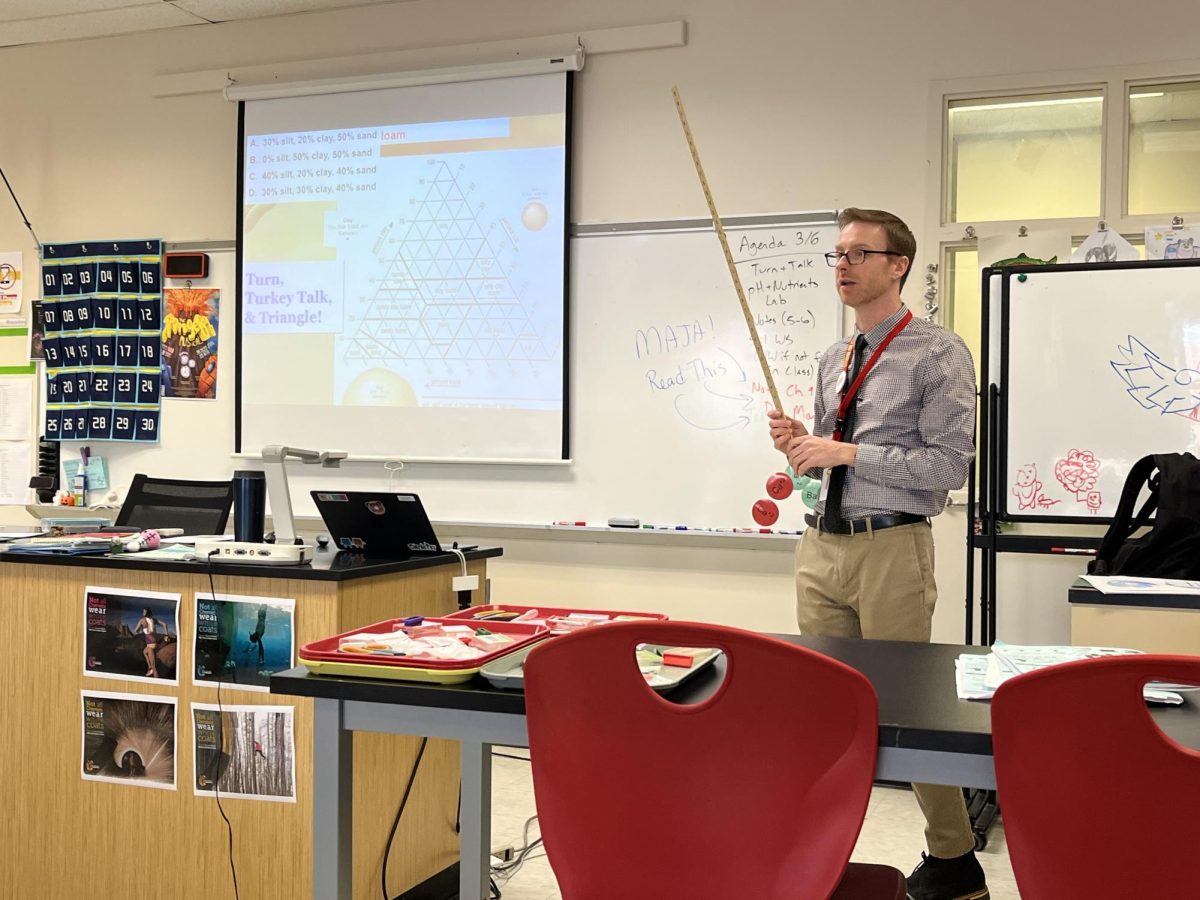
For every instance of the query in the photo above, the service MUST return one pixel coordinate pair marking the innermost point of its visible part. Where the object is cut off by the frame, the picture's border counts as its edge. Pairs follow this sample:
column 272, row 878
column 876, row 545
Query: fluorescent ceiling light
column 568, row 62
column 1026, row 104
column 1057, row 101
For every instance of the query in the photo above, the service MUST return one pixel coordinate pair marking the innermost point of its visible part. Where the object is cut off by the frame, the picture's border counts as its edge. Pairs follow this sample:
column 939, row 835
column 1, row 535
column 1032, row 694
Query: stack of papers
column 190, row 539
column 16, row 535
column 183, row 552
column 84, row 548
column 1138, row 584
column 977, row 677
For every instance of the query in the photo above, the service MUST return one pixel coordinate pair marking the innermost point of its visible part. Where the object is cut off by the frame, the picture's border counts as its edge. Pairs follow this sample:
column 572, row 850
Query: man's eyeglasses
column 856, row 256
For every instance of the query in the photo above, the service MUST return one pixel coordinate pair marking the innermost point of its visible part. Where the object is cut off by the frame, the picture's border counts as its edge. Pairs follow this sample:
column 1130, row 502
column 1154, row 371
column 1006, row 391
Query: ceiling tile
column 15, row 10
column 127, row 19
column 225, row 10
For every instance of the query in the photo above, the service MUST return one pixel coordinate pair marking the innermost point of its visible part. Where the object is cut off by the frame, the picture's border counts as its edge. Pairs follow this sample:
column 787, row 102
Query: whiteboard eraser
column 624, row 522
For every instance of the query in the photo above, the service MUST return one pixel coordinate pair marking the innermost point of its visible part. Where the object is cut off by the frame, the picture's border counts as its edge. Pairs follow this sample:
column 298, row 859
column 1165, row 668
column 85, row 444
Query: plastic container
column 323, row 657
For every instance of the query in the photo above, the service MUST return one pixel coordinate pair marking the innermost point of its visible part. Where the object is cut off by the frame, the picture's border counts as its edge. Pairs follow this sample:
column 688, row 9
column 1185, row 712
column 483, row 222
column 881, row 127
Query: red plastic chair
column 1097, row 801
column 756, row 793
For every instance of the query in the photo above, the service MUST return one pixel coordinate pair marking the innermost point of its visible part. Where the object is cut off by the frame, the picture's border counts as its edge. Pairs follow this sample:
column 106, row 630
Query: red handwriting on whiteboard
column 1028, row 489
column 1078, row 472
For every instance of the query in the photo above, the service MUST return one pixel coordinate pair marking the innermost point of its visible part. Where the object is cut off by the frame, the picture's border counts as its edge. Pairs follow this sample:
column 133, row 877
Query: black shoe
column 960, row 878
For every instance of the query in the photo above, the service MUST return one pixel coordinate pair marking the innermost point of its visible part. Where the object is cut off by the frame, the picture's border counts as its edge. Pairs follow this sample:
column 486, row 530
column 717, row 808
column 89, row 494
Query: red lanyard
column 848, row 394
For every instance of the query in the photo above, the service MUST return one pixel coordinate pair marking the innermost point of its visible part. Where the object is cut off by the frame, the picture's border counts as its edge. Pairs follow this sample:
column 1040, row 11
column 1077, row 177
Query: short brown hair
column 900, row 238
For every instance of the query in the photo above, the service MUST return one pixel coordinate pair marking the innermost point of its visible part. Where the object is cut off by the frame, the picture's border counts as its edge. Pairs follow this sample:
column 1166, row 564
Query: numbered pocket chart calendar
column 102, row 303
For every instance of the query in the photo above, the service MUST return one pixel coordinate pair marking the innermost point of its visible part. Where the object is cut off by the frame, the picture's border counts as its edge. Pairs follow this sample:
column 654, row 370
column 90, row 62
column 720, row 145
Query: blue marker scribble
column 1153, row 383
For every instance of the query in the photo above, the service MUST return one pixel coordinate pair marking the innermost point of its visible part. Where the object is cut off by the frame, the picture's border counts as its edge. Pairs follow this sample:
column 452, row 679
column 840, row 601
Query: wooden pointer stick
column 733, row 273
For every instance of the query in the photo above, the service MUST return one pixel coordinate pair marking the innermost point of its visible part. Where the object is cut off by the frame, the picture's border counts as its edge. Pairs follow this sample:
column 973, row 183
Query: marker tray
column 324, row 658
column 509, row 670
column 486, row 614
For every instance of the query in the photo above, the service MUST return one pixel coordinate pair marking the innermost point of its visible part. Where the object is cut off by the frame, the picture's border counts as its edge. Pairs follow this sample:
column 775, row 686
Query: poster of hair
column 241, row 640
column 129, row 739
column 189, row 343
column 131, row 635
column 248, row 752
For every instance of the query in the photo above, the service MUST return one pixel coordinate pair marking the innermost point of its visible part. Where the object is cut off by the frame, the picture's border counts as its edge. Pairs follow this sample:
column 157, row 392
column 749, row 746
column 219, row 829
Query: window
column 962, row 296
column 1033, row 156
column 1164, row 148
column 1059, row 153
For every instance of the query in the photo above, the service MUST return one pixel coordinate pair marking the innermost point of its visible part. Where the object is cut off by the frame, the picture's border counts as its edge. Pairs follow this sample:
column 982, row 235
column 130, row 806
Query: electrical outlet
column 504, row 854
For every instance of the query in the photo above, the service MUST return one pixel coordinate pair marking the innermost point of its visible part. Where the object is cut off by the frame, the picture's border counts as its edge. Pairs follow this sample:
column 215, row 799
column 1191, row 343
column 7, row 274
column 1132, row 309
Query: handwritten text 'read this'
column 705, row 366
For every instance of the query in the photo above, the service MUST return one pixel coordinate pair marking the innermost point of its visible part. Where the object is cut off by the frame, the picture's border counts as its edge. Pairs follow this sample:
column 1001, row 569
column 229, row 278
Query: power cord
column 502, row 873
column 387, row 849
column 212, row 592
column 506, row 871
column 24, row 218
column 462, row 557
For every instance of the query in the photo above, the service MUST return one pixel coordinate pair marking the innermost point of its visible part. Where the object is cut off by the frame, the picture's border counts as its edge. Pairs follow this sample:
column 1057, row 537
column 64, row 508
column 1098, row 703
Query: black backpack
column 1171, row 548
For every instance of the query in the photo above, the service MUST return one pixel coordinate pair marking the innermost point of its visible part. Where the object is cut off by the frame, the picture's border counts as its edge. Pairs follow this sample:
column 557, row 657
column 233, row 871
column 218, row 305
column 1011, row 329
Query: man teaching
column 893, row 420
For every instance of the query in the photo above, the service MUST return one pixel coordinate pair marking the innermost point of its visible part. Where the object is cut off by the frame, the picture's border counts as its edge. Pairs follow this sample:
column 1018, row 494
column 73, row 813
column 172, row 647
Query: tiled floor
column 892, row 834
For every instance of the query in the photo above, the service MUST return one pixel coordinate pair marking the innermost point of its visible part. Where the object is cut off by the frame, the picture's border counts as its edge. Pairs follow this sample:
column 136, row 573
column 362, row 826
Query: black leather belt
column 862, row 526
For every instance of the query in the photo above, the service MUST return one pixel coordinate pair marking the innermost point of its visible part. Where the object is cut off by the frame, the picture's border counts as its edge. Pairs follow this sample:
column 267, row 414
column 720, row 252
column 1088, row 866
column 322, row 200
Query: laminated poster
column 247, row 752
column 131, row 635
column 240, row 641
column 11, row 281
column 129, row 739
column 189, row 343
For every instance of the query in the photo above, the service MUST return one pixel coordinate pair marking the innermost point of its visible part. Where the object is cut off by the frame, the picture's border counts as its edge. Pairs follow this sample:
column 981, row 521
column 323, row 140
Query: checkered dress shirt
column 914, row 424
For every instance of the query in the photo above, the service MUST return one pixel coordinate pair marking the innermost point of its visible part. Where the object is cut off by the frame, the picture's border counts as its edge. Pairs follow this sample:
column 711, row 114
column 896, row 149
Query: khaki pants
column 880, row 585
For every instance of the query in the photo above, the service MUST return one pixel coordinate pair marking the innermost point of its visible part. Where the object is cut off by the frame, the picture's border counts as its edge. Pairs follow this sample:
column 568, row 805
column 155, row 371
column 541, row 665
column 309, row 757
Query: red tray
column 323, row 655
column 546, row 611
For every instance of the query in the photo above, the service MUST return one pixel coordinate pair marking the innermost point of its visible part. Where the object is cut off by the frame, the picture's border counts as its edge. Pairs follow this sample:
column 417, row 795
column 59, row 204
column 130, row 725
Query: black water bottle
column 249, row 505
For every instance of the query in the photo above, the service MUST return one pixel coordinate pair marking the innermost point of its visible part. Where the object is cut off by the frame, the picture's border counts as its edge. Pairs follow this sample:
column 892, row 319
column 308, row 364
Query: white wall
column 795, row 106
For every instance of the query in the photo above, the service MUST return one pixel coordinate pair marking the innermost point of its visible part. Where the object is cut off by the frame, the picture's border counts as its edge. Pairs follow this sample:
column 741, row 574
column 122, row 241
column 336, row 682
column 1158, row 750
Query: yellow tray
column 395, row 673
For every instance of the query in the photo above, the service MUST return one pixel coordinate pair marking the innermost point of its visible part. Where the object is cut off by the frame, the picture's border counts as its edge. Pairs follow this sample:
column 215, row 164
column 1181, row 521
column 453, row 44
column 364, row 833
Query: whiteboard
column 1100, row 367
column 668, row 400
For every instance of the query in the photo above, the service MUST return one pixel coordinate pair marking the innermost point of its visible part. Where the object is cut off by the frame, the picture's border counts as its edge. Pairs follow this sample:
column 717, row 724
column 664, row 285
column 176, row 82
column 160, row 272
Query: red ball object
column 765, row 512
column 779, row 486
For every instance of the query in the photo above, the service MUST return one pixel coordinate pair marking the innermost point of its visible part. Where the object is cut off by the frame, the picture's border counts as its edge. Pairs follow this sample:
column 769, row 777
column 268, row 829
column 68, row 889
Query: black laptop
column 392, row 526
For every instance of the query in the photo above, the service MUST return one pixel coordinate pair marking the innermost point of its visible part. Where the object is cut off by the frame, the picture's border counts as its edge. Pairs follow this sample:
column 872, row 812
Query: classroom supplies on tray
column 557, row 620
column 438, row 649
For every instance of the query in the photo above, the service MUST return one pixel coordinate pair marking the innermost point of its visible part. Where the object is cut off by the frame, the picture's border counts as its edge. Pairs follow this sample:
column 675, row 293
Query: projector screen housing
column 402, row 271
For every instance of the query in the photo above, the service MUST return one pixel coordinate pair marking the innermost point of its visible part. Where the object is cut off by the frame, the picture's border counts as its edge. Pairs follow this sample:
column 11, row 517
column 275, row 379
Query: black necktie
column 837, row 477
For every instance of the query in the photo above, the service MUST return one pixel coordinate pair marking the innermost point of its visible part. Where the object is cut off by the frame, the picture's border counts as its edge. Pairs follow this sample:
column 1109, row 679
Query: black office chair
column 198, row 507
